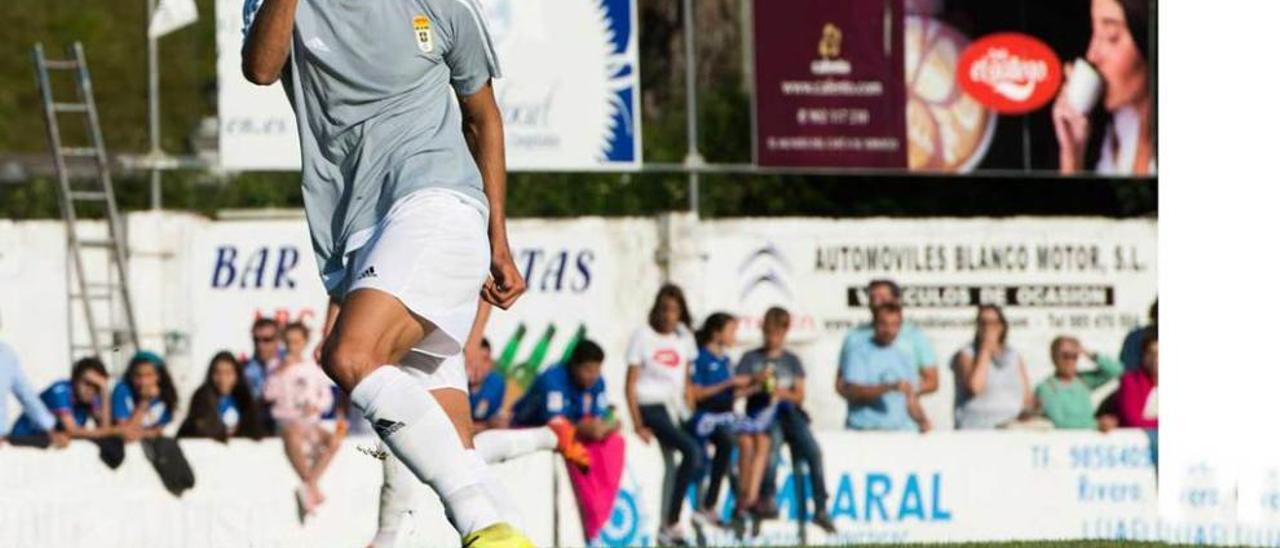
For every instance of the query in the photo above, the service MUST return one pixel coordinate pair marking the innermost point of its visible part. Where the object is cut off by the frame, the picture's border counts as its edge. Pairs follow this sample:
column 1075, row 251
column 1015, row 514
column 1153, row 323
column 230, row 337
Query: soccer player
column 404, row 186
column 582, row 402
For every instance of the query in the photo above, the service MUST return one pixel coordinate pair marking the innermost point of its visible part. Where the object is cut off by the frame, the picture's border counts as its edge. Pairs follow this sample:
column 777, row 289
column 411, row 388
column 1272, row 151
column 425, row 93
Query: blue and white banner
column 570, row 91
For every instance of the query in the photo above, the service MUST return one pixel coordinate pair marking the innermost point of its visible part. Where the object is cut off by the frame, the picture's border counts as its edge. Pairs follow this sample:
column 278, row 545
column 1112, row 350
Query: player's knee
column 346, row 363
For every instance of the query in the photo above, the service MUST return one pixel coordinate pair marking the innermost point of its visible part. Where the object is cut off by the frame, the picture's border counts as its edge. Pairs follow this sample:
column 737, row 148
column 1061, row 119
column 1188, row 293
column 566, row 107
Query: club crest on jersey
column 422, row 33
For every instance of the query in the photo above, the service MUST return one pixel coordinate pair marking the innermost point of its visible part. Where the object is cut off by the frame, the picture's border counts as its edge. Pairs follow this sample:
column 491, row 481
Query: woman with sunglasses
column 1066, row 398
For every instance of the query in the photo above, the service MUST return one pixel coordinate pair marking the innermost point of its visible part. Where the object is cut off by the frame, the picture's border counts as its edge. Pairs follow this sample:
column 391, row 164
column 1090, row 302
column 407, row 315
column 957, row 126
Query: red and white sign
column 1010, row 72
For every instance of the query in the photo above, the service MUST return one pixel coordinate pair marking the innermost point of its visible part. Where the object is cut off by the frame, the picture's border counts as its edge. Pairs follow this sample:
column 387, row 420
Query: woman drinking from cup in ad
column 1116, row 69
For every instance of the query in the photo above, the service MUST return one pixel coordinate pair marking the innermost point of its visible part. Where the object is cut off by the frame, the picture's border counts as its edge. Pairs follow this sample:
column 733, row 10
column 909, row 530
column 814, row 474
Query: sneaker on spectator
column 823, row 520
column 739, row 523
column 671, row 535
column 567, row 443
column 765, row 509
column 706, row 517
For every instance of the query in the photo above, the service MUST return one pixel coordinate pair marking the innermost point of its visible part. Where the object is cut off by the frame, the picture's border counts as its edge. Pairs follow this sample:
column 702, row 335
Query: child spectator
column 488, row 389
column 1065, row 398
column 73, row 403
column 791, row 421
column 713, row 420
column 223, row 406
column 143, row 401
column 879, row 380
column 659, row 358
column 1136, row 398
column 992, row 387
column 299, row 393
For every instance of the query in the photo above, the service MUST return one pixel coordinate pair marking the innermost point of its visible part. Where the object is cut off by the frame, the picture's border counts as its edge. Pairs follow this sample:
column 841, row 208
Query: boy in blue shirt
column 73, row 402
column 574, row 391
column 487, row 388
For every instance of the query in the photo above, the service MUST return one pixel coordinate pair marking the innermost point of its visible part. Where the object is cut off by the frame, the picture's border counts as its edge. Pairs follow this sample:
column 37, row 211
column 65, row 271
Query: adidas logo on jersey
column 368, row 273
column 386, row 427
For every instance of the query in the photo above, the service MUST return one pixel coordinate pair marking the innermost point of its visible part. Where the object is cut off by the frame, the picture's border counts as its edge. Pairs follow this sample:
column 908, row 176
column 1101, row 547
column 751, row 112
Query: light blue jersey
column 372, row 84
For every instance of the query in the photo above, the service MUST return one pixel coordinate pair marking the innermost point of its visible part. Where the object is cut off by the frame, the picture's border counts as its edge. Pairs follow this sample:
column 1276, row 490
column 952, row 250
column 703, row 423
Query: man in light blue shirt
column 911, row 340
column 13, row 380
column 879, row 380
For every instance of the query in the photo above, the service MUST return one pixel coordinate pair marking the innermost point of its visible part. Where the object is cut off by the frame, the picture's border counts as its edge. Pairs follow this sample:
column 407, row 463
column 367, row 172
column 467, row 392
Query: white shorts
column 434, row 372
column 431, row 252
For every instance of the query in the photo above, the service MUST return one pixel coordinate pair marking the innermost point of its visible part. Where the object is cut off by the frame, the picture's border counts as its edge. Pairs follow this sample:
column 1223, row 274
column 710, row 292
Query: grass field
column 1031, row 544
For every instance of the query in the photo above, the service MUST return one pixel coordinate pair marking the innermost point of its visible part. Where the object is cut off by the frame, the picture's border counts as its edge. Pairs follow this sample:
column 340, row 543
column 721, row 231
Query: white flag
column 171, row 15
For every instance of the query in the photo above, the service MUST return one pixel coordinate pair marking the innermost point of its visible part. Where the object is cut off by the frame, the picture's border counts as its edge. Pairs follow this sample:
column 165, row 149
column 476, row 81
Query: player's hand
column 505, row 283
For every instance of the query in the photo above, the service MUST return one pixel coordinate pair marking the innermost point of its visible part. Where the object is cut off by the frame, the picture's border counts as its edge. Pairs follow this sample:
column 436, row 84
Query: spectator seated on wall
column 786, row 377
column 574, row 393
column 299, row 394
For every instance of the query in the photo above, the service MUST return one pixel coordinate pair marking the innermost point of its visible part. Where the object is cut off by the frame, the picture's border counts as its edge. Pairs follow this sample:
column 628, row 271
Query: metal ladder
column 106, row 304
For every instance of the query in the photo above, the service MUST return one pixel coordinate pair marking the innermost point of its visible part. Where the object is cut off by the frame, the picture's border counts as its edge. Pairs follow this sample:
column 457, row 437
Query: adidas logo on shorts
column 386, row 427
column 368, row 273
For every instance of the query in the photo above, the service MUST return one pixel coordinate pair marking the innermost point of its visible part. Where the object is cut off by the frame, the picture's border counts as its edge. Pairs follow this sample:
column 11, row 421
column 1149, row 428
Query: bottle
column 509, row 351
column 770, row 379
column 527, row 371
column 573, row 343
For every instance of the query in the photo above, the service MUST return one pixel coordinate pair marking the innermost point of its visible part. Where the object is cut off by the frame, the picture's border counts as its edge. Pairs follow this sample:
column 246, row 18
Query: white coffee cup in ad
column 1084, row 86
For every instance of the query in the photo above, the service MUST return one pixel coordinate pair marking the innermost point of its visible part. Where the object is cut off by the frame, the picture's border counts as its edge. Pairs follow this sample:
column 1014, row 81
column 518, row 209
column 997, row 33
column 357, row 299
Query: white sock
column 501, row 498
column 420, row 434
column 497, row 446
column 401, row 493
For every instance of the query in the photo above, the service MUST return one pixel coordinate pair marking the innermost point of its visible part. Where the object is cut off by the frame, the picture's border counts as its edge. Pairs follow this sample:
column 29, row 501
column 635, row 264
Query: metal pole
column 692, row 158
column 153, row 103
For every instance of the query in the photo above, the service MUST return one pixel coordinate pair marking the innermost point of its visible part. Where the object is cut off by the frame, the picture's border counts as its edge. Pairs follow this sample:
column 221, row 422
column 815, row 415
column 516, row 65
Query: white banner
column 588, row 275
column 884, row 488
column 243, row 496
column 1092, row 278
column 256, row 126
column 570, row 91
column 894, row 488
column 240, row 271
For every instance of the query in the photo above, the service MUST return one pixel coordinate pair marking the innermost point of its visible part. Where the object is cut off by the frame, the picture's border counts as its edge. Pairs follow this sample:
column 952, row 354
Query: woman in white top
column 992, row 387
column 1120, row 50
column 658, row 394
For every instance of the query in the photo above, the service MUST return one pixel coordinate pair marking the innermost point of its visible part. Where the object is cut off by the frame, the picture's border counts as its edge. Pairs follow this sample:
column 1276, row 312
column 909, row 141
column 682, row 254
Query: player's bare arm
column 482, row 126
column 267, row 47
